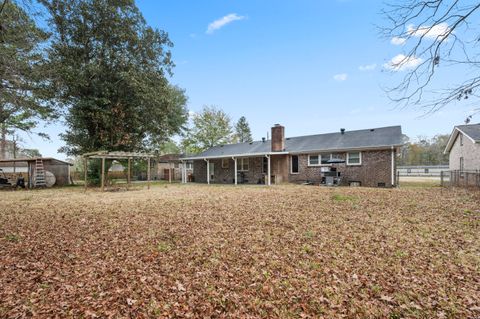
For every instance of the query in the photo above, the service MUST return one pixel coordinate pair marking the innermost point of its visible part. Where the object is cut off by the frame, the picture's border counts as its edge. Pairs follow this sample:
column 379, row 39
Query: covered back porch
column 266, row 169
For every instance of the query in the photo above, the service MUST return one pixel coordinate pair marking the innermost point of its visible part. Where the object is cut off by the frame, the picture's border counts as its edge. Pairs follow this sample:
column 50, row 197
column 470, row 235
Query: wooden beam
column 103, row 174
column 129, row 172
column 170, row 173
column 85, row 171
column 148, row 173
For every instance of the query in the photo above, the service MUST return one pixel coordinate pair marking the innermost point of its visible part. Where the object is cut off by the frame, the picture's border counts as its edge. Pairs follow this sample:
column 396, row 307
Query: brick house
column 361, row 157
column 463, row 147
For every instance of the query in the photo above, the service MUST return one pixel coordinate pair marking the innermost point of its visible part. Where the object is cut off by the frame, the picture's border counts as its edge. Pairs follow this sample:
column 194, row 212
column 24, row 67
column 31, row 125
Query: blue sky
column 313, row 66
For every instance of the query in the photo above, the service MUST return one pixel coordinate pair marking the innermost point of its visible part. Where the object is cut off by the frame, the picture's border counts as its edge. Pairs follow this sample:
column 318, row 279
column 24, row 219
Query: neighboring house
column 421, row 170
column 362, row 157
column 464, row 148
column 170, row 164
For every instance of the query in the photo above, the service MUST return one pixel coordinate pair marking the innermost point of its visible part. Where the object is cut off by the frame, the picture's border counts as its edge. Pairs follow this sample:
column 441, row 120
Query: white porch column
column 393, row 166
column 208, row 171
column 269, row 180
column 184, row 180
column 235, row 171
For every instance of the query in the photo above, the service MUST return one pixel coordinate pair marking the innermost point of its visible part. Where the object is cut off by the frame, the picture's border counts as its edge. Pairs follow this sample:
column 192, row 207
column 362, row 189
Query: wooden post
column 129, row 172
column 85, row 169
column 170, row 173
column 148, row 173
column 103, row 174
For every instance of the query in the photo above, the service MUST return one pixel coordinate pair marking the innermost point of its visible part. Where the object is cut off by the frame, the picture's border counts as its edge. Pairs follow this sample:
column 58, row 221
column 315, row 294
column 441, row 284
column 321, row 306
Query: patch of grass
column 400, row 254
column 315, row 265
column 376, row 289
column 44, row 285
column 307, row 249
column 309, row 234
column 342, row 198
column 12, row 238
column 163, row 247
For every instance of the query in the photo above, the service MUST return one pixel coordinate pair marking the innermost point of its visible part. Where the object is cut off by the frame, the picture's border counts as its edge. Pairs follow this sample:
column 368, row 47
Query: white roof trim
column 385, row 147
column 299, row 152
column 453, row 137
column 233, row 155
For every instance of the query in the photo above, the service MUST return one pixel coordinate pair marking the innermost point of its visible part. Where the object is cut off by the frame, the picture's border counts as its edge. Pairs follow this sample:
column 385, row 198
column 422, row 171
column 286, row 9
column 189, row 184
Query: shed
column 38, row 171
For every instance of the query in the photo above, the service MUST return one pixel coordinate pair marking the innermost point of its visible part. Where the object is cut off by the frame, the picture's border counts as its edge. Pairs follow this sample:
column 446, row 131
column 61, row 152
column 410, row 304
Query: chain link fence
column 456, row 178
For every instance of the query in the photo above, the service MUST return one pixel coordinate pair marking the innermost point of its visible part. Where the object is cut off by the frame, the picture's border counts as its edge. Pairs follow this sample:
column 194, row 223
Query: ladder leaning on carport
column 40, row 180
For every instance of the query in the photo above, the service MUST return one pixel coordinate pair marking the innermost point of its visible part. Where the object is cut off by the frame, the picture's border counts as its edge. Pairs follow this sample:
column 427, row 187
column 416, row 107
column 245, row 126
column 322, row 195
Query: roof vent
column 372, row 129
column 342, row 130
column 263, row 139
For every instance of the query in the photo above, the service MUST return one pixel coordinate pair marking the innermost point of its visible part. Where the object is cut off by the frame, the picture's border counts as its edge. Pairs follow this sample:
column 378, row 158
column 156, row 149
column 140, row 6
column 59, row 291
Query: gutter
column 382, row 147
column 232, row 155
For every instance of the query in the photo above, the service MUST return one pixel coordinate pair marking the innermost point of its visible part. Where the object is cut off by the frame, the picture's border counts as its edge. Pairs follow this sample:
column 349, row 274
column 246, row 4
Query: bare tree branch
column 437, row 34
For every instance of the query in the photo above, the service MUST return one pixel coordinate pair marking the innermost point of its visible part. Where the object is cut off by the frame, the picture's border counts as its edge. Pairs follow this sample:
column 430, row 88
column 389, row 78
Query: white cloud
column 340, row 77
column 401, row 62
column 191, row 113
column 219, row 23
column 398, row 41
column 432, row 32
column 367, row 67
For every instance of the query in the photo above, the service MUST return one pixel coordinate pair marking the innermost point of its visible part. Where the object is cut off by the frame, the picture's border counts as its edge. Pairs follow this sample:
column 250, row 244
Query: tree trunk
column 3, row 142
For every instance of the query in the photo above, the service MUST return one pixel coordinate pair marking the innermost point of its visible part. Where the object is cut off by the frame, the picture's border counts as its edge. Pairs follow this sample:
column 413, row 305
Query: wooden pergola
column 104, row 155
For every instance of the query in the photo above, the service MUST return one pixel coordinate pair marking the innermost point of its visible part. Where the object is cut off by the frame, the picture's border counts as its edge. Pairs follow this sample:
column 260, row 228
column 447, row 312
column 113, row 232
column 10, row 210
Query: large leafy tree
column 23, row 73
column 112, row 75
column 425, row 151
column 211, row 127
column 242, row 130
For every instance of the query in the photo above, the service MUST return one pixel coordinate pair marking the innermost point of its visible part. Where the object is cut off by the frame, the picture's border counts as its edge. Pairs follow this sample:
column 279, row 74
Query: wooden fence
column 460, row 178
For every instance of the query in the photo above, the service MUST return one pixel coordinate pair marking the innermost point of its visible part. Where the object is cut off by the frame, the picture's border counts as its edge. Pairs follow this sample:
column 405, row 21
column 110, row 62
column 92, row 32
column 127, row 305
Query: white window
column 242, row 164
column 189, row 165
column 314, row 160
column 225, row 162
column 462, row 164
column 354, row 158
column 294, row 164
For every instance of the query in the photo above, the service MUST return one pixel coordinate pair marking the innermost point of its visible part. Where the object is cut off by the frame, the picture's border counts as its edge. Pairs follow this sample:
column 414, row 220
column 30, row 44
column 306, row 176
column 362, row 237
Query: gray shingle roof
column 359, row 139
column 472, row 130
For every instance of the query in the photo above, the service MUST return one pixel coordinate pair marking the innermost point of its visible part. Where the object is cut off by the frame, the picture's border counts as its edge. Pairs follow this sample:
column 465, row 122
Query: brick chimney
column 278, row 138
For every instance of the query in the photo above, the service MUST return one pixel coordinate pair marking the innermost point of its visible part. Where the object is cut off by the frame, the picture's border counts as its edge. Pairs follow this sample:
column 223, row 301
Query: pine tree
column 242, row 131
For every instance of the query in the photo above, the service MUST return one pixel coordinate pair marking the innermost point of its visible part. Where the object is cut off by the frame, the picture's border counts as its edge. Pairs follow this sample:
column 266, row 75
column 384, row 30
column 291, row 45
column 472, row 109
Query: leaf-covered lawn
column 240, row 252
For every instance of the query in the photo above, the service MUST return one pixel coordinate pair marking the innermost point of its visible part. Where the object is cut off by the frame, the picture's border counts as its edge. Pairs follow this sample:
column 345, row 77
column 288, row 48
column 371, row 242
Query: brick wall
column 375, row 168
column 226, row 175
